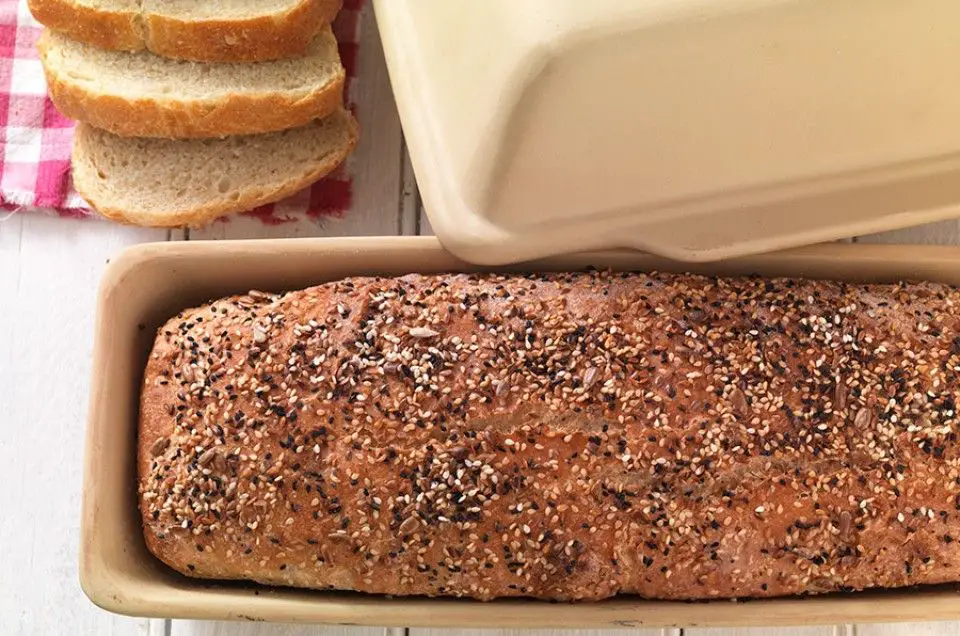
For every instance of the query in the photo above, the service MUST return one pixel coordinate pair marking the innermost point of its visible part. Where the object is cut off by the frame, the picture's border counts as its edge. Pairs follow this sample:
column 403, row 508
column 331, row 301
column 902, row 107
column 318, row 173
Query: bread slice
column 212, row 31
column 177, row 182
column 144, row 95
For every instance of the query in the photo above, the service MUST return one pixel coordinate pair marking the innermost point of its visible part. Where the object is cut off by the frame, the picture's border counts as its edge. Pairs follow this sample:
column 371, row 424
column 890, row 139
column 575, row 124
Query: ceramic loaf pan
column 696, row 130
column 148, row 284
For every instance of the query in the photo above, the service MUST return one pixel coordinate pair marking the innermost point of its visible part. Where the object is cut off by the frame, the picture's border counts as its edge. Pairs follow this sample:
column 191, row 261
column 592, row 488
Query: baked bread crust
column 568, row 436
column 235, row 113
column 255, row 39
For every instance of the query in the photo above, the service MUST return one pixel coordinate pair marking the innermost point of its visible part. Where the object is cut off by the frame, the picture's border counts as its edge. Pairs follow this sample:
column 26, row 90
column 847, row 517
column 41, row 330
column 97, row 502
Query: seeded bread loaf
column 221, row 31
column 144, row 95
column 191, row 182
column 568, row 436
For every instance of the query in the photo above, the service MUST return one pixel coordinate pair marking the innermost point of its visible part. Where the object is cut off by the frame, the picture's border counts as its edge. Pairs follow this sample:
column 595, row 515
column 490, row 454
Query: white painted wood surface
column 542, row 632
column 831, row 630
column 217, row 628
column 942, row 233
column 49, row 271
column 909, row 629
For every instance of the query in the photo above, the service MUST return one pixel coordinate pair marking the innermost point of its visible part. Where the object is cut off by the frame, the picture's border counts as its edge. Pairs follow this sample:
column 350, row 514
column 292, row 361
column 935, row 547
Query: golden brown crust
column 105, row 29
column 252, row 40
column 236, row 113
column 202, row 215
column 246, row 40
column 563, row 436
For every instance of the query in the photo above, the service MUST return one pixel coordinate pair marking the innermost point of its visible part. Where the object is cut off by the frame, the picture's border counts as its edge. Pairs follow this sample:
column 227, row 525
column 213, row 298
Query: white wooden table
column 49, row 271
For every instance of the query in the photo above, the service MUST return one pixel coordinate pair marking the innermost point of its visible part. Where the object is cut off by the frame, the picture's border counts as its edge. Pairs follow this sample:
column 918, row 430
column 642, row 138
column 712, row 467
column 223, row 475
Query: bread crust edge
column 114, row 30
column 234, row 114
column 258, row 39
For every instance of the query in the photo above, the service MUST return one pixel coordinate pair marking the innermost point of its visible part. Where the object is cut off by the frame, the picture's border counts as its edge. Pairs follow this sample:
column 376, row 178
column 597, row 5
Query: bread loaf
column 144, row 95
column 222, row 31
column 565, row 436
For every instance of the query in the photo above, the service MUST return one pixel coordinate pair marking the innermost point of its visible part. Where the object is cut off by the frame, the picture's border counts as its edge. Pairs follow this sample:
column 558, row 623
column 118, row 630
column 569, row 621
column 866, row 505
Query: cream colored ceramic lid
column 694, row 129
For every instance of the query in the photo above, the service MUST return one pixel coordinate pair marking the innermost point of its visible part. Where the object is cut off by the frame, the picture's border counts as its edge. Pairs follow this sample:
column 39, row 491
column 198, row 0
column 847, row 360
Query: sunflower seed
column 862, row 420
column 207, row 457
column 846, row 519
column 159, row 446
column 840, row 397
column 423, row 332
column 409, row 525
column 590, row 377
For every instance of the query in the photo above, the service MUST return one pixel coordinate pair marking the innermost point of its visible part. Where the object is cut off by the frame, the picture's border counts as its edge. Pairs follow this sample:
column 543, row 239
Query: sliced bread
column 213, row 31
column 145, row 95
column 177, row 182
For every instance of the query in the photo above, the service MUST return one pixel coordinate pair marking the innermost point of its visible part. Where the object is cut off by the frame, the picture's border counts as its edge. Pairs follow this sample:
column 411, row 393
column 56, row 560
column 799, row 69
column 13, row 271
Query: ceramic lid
column 693, row 129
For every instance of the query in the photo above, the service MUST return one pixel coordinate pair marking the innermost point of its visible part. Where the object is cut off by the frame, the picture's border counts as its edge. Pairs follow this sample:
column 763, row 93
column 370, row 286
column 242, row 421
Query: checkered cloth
column 35, row 140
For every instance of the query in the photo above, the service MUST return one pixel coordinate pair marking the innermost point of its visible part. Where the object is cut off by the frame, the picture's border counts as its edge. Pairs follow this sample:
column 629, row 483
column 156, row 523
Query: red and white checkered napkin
column 35, row 140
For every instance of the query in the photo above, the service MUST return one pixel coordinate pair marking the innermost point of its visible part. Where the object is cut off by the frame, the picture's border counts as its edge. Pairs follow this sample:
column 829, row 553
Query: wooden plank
column 159, row 627
column 909, row 629
column 424, row 227
column 375, row 164
column 410, row 205
column 767, row 631
column 220, row 628
column 49, row 272
column 942, row 233
column 541, row 632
